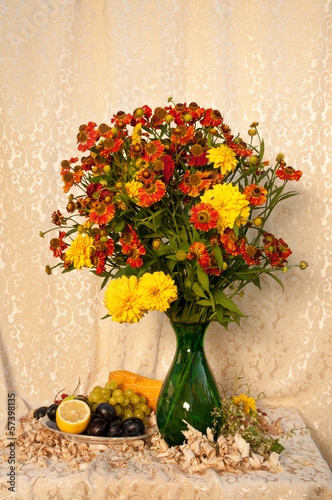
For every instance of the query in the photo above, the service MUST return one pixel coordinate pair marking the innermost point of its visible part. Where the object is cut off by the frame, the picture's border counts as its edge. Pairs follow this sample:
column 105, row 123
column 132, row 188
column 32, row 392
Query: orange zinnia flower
column 204, row 216
column 150, row 193
column 256, row 195
column 289, row 174
column 101, row 213
column 192, row 184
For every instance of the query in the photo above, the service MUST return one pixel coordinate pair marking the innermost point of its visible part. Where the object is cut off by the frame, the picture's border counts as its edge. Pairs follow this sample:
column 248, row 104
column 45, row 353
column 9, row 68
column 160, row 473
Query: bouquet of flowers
column 171, row 212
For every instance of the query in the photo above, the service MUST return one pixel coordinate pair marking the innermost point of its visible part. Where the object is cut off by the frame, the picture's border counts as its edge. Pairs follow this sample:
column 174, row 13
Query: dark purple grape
column 133, row 426
column 51, row 411
column 40, row 412
column 115, row 429
column 97, row 427
column 106, row 411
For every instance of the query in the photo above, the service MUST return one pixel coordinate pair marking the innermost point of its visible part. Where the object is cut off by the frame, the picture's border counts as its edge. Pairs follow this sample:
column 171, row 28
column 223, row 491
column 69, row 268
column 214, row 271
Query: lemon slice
column 73, row 416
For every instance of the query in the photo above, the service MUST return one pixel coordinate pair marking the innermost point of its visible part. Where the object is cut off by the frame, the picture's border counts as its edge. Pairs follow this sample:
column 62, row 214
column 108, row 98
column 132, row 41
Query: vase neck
column 190, row 335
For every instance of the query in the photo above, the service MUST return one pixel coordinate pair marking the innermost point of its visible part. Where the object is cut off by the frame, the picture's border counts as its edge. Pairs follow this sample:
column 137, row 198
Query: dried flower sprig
column 238, row 415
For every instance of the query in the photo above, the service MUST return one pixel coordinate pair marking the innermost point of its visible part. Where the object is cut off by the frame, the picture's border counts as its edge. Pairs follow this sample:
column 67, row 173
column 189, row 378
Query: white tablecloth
column 304, row 475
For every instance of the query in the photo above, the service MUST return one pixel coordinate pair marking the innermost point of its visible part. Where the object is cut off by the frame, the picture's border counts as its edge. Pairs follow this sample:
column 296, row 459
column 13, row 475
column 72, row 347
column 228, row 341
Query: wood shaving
column 36, row 444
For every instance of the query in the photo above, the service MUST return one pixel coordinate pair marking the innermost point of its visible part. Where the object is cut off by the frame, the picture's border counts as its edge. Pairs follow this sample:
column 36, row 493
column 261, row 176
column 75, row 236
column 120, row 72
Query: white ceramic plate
column 83, row 438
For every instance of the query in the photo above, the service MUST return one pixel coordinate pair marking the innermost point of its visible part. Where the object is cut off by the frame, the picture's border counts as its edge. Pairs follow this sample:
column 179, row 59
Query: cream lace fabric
column 65, row 62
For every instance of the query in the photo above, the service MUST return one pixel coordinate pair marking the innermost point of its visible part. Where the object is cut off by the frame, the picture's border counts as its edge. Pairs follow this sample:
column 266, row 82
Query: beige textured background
column 65, row 62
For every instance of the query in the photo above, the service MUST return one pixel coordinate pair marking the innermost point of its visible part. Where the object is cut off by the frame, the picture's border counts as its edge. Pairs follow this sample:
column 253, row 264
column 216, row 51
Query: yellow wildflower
column 156, row 291
column 249, row 404
column 80, row 251
column 122, row 300
column 231, row 205
column 223, row 157
column 132, row 188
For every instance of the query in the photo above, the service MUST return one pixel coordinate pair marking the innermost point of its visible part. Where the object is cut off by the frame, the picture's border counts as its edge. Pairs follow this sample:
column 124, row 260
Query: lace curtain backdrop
column 66, row 62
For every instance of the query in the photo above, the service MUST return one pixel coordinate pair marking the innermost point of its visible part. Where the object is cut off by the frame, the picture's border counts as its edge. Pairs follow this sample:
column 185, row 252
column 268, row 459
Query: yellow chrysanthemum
column 223, row 157
column 132, row 188
column 121, row 300
column 156, row 291
column 231, row 205
column 80, row 251
column 249, row 404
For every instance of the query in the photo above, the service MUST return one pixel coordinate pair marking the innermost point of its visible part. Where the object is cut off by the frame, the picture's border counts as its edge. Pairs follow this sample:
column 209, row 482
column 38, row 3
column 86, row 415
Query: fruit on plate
column 40, row 412
column 144, row 386
column 73, row 416
column 133, row 426
column 97, row 427
column 106, row 411
column 51, row 411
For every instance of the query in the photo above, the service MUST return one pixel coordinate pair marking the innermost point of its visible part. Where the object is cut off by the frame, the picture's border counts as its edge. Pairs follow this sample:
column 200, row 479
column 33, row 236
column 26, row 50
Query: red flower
column 134, row 255
column 152, row 151
column 128, row 238
column 57, row 218
column 197, row 251
column 204, row 216
column 57, row 245
column 240, row 148
column 198, row 156
column 289, row 174
column 212, row 118
column 181, row 135
column 87, row 136
column 256, row 195
column 101, row 213
column 193, row 184
column 276, row 250
column 151, row 193
column 210, row 265
column 230, row 242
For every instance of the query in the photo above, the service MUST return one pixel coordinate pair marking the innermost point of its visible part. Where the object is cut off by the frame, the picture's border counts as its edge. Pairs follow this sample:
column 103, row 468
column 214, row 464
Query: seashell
column 255, row 461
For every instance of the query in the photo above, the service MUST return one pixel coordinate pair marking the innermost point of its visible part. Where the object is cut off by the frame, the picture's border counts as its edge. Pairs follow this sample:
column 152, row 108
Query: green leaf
column 226, row 302
column 257, row 282
column 277, row 447
column 204, row 302
column 218, row 255
column 220, row 313
column 118, row 228
column 71, row 231
column 183, row 234
column 203, row 278
column 185, row 246
column 197, row 289
column 262, row 148
column 236, row 230
column 104, row 283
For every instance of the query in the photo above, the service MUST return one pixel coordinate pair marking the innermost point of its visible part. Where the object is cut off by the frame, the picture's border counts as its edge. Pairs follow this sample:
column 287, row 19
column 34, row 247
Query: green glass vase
column 189, row 391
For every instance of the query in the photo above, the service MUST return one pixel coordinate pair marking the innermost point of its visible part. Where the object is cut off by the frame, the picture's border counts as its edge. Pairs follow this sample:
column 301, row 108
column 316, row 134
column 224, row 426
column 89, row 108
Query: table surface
column 140, row 476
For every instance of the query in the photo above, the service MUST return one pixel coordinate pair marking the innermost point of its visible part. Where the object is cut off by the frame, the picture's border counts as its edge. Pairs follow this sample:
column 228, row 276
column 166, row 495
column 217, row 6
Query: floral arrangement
column 172, row 208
